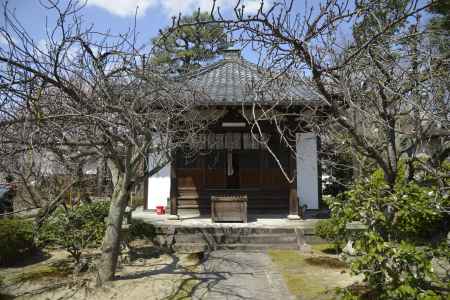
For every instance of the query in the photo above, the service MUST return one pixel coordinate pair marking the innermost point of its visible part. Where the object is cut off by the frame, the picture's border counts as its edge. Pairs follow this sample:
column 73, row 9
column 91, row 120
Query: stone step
column 200, row 247
column 225, row 230
column 254, row 247
column 191, row 247
column 314, row 239
column 221, row 238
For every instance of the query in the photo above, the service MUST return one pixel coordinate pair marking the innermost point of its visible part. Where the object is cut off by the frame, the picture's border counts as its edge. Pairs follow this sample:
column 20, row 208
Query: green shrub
column 141, row 230
column 76, row 228
column 406, row 225
column 16, row 239
column 397, row 270
column 327, row 230
column 411, row 211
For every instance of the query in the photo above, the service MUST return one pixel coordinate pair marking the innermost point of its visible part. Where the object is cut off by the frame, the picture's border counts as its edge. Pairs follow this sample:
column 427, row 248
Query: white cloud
column 174, row 7
column 43, row 45
column 4, row 40
column 124, row 8
column 252, row 6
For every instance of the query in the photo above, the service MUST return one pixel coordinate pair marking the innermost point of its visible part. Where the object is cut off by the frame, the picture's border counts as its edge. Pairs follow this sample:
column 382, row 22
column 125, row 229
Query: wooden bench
column 229, row 208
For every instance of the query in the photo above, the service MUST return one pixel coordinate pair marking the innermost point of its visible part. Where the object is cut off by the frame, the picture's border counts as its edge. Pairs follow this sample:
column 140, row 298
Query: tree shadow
column 32, row 258
column 198, row 282
column 68, row 288
column 331, row 251
column 316, row 214
column 202, row 283
column 146, row 252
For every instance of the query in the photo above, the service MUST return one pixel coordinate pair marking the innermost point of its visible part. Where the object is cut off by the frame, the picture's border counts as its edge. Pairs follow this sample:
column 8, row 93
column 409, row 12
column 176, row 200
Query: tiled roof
column 233, row 80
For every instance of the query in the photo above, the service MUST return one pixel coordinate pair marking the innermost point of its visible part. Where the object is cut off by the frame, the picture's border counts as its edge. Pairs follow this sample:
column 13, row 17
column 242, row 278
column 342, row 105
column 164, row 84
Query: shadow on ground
column 30, row 259
column 197, row 280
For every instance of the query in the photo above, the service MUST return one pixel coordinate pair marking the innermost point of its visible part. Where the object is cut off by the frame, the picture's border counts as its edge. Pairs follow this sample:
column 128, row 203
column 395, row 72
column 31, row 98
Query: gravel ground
column 217, row 275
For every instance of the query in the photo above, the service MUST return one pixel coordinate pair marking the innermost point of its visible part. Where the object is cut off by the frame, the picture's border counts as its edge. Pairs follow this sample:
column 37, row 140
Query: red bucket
column 160, row 210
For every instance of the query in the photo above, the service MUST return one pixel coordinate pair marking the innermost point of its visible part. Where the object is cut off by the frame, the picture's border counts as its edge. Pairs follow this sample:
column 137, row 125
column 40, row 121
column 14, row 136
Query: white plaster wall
column 159, row 188
column 307, row 170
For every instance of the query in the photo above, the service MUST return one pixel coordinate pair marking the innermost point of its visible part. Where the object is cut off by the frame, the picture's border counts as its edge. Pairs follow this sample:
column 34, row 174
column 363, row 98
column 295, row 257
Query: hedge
column 16, row 239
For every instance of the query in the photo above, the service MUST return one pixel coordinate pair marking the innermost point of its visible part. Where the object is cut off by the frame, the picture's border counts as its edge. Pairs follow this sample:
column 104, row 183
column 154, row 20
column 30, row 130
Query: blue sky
column 119, row 15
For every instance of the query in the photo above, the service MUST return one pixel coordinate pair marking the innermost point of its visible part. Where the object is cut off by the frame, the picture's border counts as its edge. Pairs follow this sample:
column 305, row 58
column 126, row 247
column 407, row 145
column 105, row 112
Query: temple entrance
column 233, row 164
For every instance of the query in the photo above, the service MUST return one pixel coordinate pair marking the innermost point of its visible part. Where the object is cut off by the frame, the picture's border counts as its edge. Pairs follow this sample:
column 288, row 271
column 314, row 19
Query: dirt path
column 240, row 275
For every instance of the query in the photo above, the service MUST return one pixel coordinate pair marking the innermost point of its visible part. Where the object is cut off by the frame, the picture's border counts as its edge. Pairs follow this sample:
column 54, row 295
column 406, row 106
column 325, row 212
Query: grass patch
column 39, row 272
column 310, row 276
column 4, row 296
column 301, row 287
column 191, row 261
column 185, row 290
column 286, row 258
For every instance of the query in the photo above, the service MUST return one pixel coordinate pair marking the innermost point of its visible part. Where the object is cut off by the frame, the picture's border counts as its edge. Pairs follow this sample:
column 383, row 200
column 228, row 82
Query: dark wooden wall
column 267, row 194
column 260, row 178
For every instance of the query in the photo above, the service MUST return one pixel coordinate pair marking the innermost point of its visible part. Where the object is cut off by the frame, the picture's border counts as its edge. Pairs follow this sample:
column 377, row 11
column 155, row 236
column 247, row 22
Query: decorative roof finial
column 231, row 53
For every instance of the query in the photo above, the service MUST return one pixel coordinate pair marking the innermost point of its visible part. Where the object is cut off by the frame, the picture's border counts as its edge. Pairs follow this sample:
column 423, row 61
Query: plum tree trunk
column 112, row 238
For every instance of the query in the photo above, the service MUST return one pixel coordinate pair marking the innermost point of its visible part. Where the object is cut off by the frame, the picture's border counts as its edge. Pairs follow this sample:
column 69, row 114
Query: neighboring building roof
column 234, row 80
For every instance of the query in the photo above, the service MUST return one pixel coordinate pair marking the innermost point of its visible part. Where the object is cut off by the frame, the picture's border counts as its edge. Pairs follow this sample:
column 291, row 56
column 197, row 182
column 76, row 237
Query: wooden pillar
column 173, row 192
column 146, row 191
column 293, row 204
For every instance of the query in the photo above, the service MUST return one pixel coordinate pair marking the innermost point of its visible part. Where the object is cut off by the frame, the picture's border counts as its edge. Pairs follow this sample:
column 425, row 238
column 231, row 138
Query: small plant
column 76, row 228
column 141, row 230
column 9, row 178
column 328, row 230
column 16, row 239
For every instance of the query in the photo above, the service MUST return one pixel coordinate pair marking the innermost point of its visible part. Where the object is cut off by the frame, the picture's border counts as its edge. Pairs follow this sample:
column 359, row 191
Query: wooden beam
column 173, row 190
column 293, row 196
column 319, row 171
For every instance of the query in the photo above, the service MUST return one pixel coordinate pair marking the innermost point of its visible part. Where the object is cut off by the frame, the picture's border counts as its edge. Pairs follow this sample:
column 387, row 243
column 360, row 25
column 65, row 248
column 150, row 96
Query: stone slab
column 241, row 275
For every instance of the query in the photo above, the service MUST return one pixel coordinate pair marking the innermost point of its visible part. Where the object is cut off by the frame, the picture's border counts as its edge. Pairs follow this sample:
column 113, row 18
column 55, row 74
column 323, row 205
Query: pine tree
column 188, row 47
